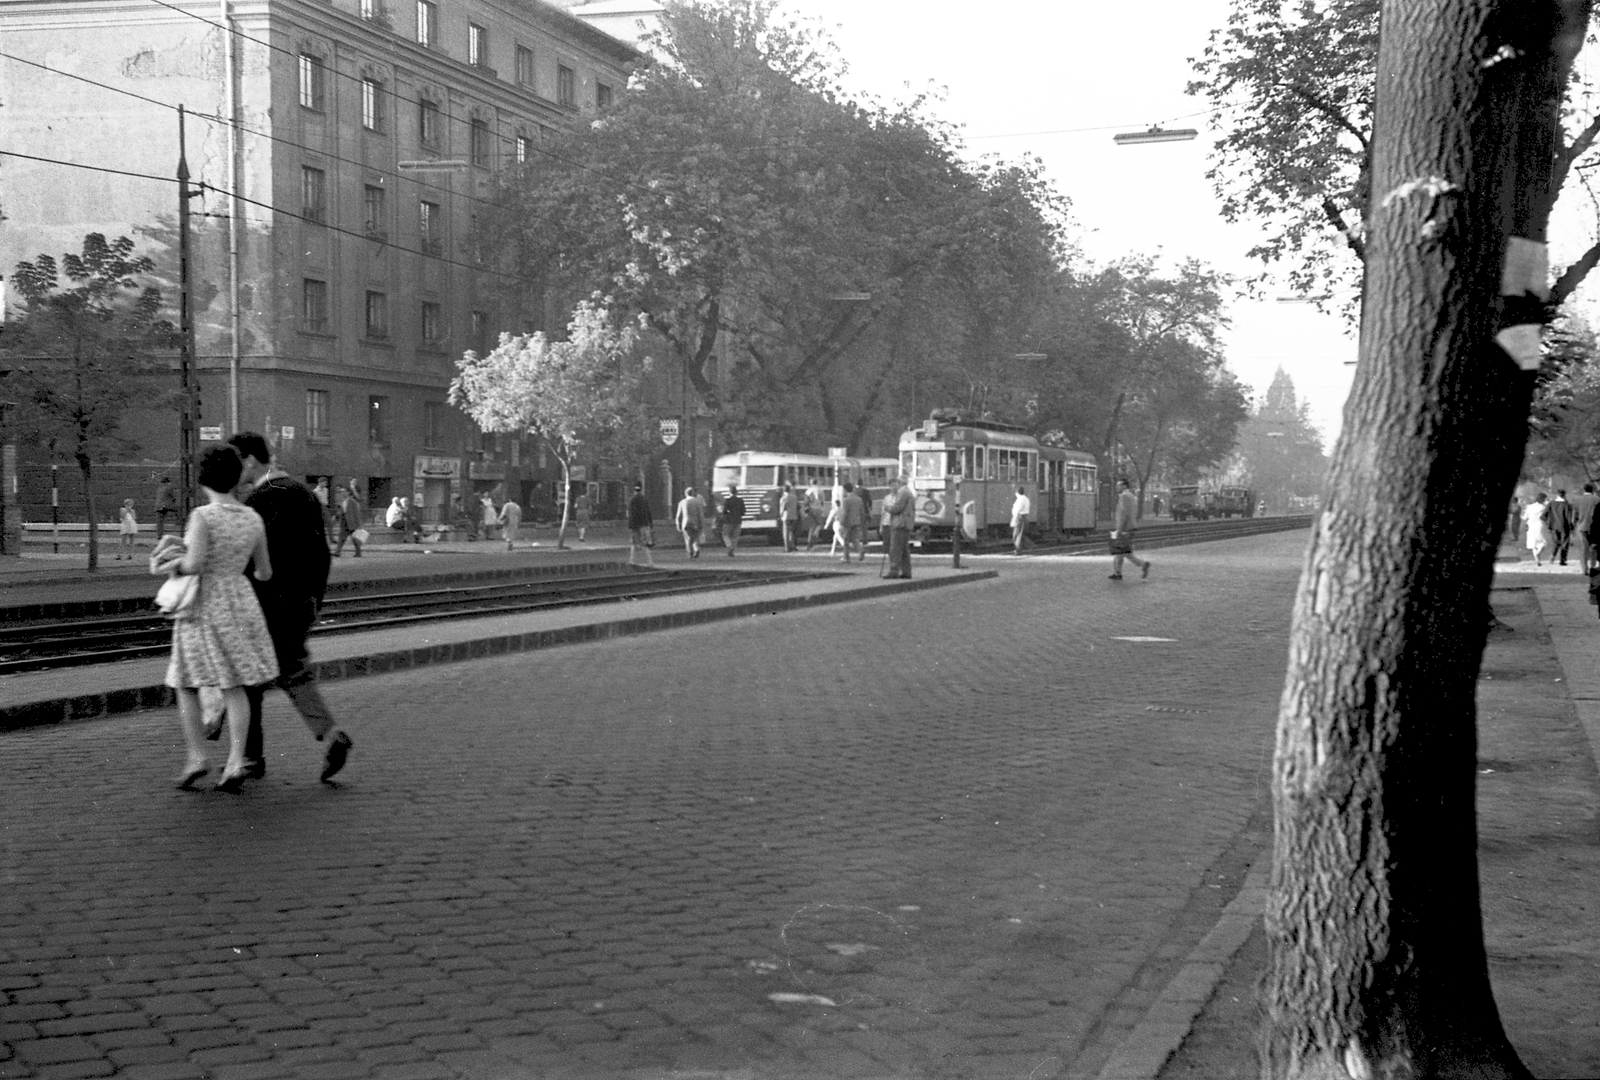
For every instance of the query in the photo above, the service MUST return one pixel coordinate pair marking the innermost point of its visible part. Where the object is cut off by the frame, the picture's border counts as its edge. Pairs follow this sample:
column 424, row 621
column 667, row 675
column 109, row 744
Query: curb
column 135, row 699
column 1162, row 1029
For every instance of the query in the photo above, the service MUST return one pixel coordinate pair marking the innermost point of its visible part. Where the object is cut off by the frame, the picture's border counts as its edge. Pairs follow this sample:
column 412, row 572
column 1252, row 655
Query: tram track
column 47, row 644
column 1147, row 536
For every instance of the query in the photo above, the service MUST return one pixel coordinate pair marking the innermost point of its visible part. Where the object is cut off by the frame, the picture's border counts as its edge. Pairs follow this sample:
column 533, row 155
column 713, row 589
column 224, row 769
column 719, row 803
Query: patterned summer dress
column 222, row 639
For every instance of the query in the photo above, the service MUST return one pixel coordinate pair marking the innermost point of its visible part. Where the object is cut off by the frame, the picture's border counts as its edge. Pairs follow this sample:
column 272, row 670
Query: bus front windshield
column 725, row 475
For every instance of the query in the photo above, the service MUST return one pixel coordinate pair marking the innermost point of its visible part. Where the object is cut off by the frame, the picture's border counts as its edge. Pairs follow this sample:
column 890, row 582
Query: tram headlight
column 933, row 508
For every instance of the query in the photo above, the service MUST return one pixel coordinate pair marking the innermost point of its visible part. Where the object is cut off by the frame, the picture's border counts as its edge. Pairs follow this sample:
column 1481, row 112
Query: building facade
column 343, row 153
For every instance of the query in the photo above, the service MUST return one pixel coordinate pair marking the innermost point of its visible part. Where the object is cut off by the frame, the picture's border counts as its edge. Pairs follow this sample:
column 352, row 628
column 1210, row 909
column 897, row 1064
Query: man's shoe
column 338, row 753
column 1144, row 571
column 1115, row 577
column 255, row 770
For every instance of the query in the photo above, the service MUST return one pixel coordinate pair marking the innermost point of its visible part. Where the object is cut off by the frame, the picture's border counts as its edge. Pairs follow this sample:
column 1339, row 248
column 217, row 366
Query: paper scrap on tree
column 1527, row 268
column 1521, row 343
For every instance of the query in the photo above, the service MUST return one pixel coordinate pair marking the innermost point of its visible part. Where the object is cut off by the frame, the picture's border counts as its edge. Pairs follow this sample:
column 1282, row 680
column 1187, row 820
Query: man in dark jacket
column 641, row 536
column 732, row 516
column 297, row 543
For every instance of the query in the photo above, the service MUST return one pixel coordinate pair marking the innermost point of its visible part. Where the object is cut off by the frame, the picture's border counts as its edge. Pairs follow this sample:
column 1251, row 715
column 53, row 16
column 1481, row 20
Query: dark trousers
column 791, row 530
column 1560, row 543
column 899, row 552
column 288, row 623
column 347, row 533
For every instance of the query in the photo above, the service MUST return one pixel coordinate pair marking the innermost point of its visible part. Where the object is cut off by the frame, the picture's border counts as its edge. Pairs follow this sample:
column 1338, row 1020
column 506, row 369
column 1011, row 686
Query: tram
column 760, row 476
column 986, row 461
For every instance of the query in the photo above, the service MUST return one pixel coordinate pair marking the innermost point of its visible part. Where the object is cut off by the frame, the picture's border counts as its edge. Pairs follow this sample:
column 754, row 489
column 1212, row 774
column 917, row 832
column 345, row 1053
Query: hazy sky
column 1024, row 76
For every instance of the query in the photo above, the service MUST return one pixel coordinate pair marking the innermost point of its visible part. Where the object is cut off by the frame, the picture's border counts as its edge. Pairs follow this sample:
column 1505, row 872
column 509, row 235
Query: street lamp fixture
column 1155, row 134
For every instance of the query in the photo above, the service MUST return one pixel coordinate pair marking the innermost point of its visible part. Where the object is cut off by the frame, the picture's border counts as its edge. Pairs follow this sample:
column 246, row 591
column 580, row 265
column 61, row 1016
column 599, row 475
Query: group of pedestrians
column 1556, row 523
column 257, row 552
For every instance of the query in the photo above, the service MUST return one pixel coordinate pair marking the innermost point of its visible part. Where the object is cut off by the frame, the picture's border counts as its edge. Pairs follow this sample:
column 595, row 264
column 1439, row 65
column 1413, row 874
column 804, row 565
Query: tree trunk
column 566, row 500
column 1377, row 959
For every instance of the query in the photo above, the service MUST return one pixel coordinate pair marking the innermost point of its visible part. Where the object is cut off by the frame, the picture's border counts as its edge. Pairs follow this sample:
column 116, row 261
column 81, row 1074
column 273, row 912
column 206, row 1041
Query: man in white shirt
column 1020, row 510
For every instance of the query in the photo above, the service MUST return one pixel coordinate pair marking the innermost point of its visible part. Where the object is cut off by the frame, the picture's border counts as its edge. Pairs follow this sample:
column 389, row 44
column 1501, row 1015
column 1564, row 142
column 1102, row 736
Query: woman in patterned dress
column 221, row 640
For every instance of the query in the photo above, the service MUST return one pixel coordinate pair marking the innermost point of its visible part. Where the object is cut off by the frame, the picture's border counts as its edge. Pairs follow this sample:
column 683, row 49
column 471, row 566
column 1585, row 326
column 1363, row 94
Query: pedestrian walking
column 289, row 601
column 1561, row 519
column 1122, row 527
column 1535, row 516
column 1583, row 505
column 395, row 516
column 641, row 528
column 510, row 519
column 690, row 520
column 789, row 514
column 581, row 512
column 835, row 525
column 814, row 517
column 853, row 516
column 221, row 638
column 732, row 519
column 1021, row 508
column 347, row 516
column 127, row 531
column 489, row 515
column 901, row 508
column 321, row 492
column 166, row 505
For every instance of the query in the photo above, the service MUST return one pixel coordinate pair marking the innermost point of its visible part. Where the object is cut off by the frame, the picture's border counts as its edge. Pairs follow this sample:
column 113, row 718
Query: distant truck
column 1235, row 501
column 1188, row 501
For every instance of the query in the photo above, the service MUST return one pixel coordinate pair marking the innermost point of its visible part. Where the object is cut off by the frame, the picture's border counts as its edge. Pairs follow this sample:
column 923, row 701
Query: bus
column 761, row 474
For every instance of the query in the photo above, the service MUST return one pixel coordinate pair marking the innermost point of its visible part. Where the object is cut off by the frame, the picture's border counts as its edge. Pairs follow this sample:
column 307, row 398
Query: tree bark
column 1377, row 959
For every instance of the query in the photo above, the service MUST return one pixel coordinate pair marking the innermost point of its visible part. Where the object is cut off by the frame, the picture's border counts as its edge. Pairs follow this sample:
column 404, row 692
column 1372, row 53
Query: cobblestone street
column 965, row 833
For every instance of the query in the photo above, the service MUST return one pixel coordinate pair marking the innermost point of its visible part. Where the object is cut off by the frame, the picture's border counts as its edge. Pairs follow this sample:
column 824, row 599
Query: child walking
column 127, row 530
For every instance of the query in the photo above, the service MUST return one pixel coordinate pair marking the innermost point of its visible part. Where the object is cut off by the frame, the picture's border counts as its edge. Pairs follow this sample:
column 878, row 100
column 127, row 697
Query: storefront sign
column 211, row 434
column 437, row 468
column 486, row 470
column 579, row 474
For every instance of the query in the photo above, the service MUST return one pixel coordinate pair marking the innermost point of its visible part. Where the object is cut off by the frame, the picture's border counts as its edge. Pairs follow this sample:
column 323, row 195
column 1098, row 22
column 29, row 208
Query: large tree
column 85, row 352
column 779, row 226
column 1292, row 83
column 1377, row 965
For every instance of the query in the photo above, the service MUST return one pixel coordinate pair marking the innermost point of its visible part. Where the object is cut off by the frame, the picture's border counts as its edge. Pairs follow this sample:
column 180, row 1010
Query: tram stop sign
column 669, row 431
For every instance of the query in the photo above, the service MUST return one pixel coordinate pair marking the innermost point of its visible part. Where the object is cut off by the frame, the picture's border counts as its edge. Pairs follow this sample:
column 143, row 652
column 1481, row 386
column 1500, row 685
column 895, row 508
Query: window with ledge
column 477, row 45
column 432, row 322
column 524, row 148
column 427, row 23
column 480, row 332
column 377, row 315
column 479, row 143
column 314, row 305
column 430, row 227
column 602, row 96
column 372, row 104
column 428, row 122
column 566, row 86
column 433, row 424
column 313, row 194
column 313, row 88
column 525, row 73
column 317, row 414
column 375, row 201
column 378, row 420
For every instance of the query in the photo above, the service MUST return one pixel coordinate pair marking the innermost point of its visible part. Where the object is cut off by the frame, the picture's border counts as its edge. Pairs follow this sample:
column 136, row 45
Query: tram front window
column 725, row 475
column 761, row 475
column 929, row 465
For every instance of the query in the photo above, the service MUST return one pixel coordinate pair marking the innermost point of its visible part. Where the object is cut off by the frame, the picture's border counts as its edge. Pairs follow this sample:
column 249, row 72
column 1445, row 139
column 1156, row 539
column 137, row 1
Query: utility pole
column 188, row 382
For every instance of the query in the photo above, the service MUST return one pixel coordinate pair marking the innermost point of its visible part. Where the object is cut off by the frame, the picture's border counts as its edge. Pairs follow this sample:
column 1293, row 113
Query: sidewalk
column 1538, row 804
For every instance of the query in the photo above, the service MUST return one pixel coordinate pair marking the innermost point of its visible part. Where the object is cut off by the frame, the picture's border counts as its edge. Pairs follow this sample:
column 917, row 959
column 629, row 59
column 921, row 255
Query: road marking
column 782, row 998
column 1145, row 640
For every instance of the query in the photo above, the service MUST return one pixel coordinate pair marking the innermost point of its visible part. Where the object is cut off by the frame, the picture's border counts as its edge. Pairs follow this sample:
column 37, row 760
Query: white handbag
column 177, row 594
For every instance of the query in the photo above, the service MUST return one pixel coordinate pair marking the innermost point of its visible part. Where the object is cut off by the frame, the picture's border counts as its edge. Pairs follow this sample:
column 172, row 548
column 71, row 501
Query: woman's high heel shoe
column 232, row 782
column 190, row 775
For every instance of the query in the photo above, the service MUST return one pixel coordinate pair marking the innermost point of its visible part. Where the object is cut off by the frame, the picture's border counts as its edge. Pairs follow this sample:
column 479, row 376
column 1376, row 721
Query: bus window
column 760, row 475
column 723, row 475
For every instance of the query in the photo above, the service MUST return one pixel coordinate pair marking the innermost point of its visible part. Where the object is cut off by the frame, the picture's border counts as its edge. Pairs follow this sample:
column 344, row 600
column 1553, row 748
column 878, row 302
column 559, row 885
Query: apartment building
column 342, row 151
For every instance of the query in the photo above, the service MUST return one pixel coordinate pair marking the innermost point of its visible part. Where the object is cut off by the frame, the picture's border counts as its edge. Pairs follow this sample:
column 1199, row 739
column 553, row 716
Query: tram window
column 760, row 475
column 723, row 475
column 991, row 464
column 929, row 465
